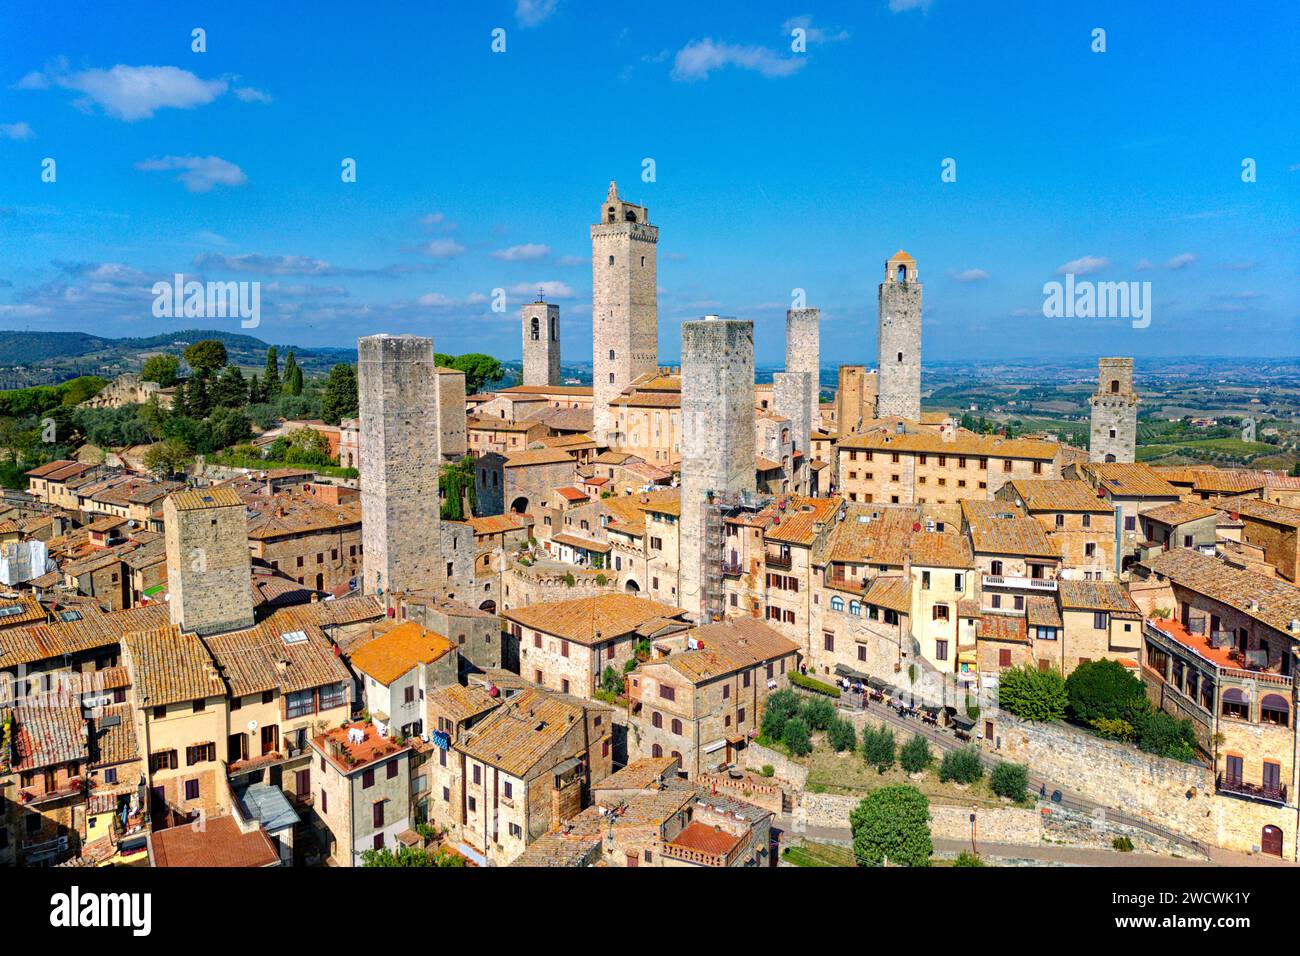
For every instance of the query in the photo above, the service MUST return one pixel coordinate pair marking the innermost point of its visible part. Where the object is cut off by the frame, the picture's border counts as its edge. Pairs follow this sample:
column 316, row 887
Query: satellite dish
column 252, row 725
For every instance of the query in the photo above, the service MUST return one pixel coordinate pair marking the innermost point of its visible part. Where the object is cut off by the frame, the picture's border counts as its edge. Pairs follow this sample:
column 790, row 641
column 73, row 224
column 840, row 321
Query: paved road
column 944, row 740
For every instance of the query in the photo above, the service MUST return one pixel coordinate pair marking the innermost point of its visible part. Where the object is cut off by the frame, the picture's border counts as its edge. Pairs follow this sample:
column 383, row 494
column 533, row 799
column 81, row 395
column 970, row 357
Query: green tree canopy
column 272, row 375
column 479, row 369
column 206, row 355
column 1032, row 694
column 161, row 369
column 1104, row 690
column 168, row 457
column 339, row 399
column 892, row 825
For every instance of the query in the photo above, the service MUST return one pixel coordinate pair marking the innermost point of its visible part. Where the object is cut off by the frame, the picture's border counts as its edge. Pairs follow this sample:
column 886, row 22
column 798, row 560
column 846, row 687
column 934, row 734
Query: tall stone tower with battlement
column 899, row 343
column 803, row 350
column 717, row 443
column 541, row 322
column 624, row 305
column 1114, row 412
column 398, row 392
column 209, row 589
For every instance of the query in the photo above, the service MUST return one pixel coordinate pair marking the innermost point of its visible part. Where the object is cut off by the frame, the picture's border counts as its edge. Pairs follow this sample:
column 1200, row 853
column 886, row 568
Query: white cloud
column 699, row 58
column 266, row 265
column 1180, row 261
column 970, row 275
column 522, row 253
column 573, row 260
column 530, row 13
column 553, row 288
column 16, row 131
column 815, row 34
column 1084, row 265
column 902, row 6
column 130, row 92
column 250, row 95
column 198, row 173
column 442, row 249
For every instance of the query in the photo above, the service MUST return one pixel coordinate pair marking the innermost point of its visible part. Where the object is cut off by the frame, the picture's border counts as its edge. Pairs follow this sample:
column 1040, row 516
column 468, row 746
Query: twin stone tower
column 403, row 423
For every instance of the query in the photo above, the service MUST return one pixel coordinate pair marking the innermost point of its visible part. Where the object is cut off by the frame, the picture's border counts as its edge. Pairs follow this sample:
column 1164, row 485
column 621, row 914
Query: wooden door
column 1270, row 841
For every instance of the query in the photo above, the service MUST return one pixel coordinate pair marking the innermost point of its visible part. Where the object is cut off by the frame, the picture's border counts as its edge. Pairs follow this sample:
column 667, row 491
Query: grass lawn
column 818, row 854
column 849, row 775
column 1229, row 446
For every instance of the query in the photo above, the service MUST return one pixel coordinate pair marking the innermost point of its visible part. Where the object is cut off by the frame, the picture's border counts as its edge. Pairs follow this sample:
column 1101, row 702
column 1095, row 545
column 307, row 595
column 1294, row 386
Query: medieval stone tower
column 398, row 392
column 624, row 309
column 1114, row 412
column 208, row 567
column 541, row 343
column 717, row 444
column 803, row 344
column 899, row 355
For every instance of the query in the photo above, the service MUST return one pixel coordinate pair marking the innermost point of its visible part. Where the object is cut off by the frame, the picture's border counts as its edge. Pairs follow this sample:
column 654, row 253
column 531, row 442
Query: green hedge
column 816, row 686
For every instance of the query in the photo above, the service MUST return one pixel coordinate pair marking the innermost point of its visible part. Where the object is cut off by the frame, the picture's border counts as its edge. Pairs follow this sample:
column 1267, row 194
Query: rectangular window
column 941, row 650
column 392, row 769
column 367, row 778
column 191, row 789
column 828, row 641
column 377, row 813
column 299, row 703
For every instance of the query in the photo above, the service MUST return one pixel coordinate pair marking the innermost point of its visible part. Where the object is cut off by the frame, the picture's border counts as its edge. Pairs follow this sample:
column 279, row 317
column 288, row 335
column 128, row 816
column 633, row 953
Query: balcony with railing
column 1237, row 786
column 778, row 560
column 1228, row 660
column 1019, row 582
column 732, row 568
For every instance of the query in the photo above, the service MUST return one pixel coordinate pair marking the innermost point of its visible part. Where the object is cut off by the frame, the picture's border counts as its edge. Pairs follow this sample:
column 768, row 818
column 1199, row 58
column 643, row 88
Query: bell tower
column 541, row 327
column 624, row 305
column 899, row 343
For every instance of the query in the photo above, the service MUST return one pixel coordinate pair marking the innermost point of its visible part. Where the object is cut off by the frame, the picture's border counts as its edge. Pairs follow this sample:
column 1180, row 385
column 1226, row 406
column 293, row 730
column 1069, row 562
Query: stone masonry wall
column 717, row 433
column 803, row 345
column 541, row 354
column 899, row 334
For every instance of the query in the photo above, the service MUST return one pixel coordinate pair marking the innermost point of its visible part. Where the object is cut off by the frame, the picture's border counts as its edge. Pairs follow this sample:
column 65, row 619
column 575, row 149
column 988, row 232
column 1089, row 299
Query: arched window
column 837, row 603
column 612, row 218
column 677, row 727
column 1274, row 709
column 611, row 355
column 855, row 608
column 1114, row 386
column 902, row 273
column 630, row 216
column 677, row 754
column 657, row 720
column 995, row 568
column 611, row 260
column 1236, row 703
column 656, row 751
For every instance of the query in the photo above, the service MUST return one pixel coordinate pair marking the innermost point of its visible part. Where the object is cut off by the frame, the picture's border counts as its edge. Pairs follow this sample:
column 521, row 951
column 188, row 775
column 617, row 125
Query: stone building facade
column 855, row 398
column 803, row 351
column 624, row 309
column 1113, row 436
column 899, row 343
column 541, row 332
column 398, row 395
column 208, row 565
column 718, row 436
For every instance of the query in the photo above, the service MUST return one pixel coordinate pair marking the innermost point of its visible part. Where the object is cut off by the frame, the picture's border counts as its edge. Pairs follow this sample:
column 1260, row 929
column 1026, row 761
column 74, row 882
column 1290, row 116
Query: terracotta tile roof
column 1096, row 596
column 745, row 640
column 499, row 524
column 576, row 391
column 112, row 736
column 892, row 592
column 200, row 498
column 220, row 843
column 1012, row 536
column 873, row 534
column 1041, row 611
column 462, row 702
column 350, row 610
column 1225, row 482
column 286, row 651
column 589, row 619
column 167, row 667
column 798, row 518
column 1002, row 627
column 392, row 654
column 702, row 838
column 572, row 494
column 576, row 541
column 23, row 610
column 90, row 631
column 50, row 731
column 639, row 774
column 934, row 549
column 289, row 513
column 1271, row 601
column 1060, row 494
column 1263, row 511
column 1179, row 512
column 701, row 665
column 522, row 732
column 929, row 442
column 1130, row 480
column 539, row 456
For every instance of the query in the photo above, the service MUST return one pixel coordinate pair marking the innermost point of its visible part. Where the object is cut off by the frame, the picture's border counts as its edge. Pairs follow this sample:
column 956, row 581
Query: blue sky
column 774, row 169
